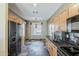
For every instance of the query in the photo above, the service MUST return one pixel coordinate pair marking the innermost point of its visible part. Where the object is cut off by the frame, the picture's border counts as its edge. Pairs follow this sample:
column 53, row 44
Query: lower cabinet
column 52, row 49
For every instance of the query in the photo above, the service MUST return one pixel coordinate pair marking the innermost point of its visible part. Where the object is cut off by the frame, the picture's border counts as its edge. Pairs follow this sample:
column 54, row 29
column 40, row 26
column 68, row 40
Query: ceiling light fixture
column 35, row 11
column 34, row 4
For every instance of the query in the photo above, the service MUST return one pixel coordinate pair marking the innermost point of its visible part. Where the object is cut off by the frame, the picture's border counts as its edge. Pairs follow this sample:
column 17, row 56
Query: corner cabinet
column 63, row 20
column 73, row 10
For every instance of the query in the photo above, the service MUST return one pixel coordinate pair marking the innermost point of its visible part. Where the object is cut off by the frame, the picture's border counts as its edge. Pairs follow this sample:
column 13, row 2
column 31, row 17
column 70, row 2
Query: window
column 36, row 28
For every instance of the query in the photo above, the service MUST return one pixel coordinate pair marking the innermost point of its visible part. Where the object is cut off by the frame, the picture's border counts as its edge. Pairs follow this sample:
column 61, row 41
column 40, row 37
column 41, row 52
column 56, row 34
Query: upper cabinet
column 11, row 17
column 56, row 22
column 73, row 10
column 14, row 18
column 63, row 20
column 60, row 21
column 57, row 18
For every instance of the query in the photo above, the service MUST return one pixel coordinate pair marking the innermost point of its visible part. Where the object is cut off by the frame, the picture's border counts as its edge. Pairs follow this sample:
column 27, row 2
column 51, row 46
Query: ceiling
column 35, row 11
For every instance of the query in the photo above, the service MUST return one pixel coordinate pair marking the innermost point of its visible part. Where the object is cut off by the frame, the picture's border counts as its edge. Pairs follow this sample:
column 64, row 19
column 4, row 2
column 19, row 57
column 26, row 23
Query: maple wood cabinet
column 60, row 21
column 51, row 48
column 14, row 18
column 73, row 10
column 63, row 20
column 56, row 22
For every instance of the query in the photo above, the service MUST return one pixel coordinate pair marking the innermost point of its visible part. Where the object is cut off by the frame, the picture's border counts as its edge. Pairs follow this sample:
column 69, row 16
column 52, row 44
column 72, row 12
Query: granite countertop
column 59, row 44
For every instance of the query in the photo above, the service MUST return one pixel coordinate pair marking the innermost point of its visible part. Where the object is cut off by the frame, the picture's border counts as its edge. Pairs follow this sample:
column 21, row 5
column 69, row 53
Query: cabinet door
column 19, row 20
column 57, row 20
column 56, row 23
column 73, row 10
column 54, row 50
column 51, row 48
column 12, row 18
column 63, row 20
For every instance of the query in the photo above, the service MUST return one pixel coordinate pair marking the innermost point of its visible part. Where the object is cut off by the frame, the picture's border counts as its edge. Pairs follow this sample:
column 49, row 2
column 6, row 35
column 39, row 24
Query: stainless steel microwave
column 73, row 24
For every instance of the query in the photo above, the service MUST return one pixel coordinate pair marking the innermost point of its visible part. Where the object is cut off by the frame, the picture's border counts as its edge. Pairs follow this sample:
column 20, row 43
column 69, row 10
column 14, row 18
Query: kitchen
column 31, row 30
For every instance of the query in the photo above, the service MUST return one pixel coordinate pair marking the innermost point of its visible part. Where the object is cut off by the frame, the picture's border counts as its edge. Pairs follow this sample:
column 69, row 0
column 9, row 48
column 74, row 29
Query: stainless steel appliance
column 14, row 41
column 73, row 24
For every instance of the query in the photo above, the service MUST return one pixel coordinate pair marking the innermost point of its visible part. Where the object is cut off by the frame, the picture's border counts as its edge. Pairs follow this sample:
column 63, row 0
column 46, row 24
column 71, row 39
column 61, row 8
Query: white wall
column 3, row 29
column 44, row 29
column 23, row 33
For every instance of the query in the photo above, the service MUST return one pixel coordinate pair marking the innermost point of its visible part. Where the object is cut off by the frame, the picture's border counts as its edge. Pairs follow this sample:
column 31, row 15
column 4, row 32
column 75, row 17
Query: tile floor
column 34, row 48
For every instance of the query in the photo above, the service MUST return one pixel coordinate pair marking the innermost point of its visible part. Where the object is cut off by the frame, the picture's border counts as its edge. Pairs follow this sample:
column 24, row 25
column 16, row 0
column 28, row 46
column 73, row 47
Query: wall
column 44, row 30
column 23, row 32
column 3, row 29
